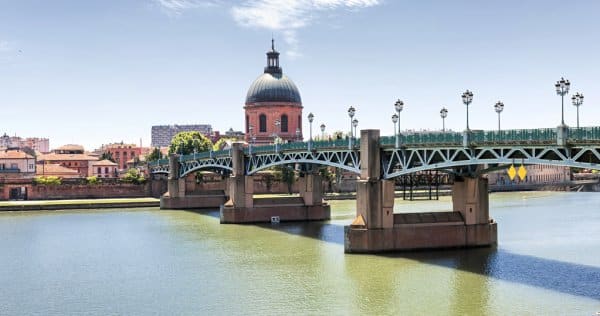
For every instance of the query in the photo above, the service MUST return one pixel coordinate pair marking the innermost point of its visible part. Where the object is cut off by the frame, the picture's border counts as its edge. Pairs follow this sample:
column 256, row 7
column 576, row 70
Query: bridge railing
column 584, row 134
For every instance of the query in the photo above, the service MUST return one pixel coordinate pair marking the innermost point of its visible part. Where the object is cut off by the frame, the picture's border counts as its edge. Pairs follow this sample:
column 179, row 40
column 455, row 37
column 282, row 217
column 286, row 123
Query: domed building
column 273, row 105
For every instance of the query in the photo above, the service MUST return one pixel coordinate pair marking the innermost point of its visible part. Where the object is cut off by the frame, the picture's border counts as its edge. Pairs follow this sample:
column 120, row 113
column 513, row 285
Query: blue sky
column 94, row 72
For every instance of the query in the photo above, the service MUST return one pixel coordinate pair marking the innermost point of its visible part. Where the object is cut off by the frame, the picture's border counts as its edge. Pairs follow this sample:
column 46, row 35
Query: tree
column 286, row 175
column 156, row 154
column 48, row 180
column 107, row 156
column 185, row 142
column 133, row 176
column 222, row 142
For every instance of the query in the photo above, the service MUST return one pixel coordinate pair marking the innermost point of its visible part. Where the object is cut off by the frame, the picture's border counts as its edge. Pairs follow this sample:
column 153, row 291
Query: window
column 99, row 170
column 300, row 121
column 132, row 154
column 105, row 169
column 262, row 123
column 14, row 166
column 284, row 123
column 247, row 125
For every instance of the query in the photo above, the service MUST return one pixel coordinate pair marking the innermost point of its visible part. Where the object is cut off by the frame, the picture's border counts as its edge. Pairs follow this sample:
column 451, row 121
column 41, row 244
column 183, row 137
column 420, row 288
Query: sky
column 101, row 71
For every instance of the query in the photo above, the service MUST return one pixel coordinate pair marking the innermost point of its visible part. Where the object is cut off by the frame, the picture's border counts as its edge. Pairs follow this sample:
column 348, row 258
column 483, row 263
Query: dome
column 273, row 87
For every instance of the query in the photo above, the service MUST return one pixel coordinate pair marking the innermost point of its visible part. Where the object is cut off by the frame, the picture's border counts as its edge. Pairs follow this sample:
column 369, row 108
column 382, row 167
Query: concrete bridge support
column 242, row 207
column 377, row 229
column 176, row 198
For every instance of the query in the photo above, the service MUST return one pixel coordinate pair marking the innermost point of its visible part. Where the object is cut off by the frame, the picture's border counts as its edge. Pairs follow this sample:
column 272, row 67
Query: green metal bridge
column 446, row 151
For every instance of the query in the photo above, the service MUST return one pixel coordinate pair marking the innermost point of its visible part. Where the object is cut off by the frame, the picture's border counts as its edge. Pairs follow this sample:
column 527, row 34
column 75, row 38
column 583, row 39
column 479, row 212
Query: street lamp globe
column 499, row 107
column 444, row 114
column 322, row 130
column 399, row 105
column 395, row 119
column 354, row 124
column 310, row 117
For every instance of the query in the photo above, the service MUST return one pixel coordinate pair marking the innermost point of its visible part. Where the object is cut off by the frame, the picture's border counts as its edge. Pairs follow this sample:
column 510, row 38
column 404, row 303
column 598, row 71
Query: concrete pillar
column 175, row 186
column 311, row 189
column 240, row 186
column 374, row 196
column 470, row 198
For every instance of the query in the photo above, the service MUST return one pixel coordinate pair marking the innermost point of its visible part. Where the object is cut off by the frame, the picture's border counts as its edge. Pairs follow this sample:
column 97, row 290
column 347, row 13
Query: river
column 149, row 262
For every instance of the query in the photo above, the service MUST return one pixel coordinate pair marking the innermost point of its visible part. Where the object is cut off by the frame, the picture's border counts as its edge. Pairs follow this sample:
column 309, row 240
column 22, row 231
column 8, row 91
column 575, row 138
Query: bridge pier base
column 176, row 198
column 242, row 207
column 377, row 229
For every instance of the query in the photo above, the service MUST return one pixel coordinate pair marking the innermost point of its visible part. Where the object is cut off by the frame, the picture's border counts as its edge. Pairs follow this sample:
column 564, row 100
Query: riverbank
column 51, row 205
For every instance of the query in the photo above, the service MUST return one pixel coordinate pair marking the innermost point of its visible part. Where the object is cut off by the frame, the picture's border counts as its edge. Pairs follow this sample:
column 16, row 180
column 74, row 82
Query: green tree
column 286, row 175
column 107, row 156
column 156, row 154
column 92, row 180
column 185, row 143
column 222, row 142
column 133, row 176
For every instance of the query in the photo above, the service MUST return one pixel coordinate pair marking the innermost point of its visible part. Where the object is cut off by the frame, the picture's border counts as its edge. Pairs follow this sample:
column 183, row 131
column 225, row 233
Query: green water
column 147, row 262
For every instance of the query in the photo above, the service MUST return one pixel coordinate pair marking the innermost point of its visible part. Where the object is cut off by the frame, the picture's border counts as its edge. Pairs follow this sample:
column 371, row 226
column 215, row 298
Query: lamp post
column 395, row 120
column 354, row 124
column 322, row 131
column 297, row 134
column 275, row 134
column 467, row 98
column 399, row 105
column 499, row 107
column 562, row 88
column 351, row 112
column 577, row 101
column 310, row 120
column 250, row 129
column 444, row 114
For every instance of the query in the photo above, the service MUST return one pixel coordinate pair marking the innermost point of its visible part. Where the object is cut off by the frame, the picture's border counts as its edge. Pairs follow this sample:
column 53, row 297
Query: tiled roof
column 104, row 162
column 66, row 157
column 14, row 154
column 70, row 147
column 51, row 169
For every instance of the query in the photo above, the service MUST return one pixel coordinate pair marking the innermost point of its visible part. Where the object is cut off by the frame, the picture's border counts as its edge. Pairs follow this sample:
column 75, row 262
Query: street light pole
column 577, row 101
column 562, row 88
column 250, row 128
column 395, row 120
column 322, row 131
column 498, row 107
column 399, row 106
column 444, row 114
column 351, row 112
column 310, row 120
column 354, row 124
column 275, row 135
column 467, row 98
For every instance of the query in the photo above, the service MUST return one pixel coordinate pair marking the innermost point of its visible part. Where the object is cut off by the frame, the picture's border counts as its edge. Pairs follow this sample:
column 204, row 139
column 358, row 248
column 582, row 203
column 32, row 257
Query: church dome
column 273, row 85
column 273, row 88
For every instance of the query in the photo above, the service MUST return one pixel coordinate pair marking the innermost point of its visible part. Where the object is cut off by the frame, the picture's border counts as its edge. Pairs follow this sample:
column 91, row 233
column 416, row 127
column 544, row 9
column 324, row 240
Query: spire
column 273, row 60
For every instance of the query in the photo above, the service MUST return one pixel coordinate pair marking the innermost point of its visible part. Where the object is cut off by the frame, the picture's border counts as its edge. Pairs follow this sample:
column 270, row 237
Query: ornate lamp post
column 562, row 88
column 399, row 106
column 467, row 98
column 310, row 120
column 250, row 128
column 499, row 107
column 351, row 112
column 395, row 120
column 354, row 124
column 444, row 114
column 322, row 131
column 577, row 101
column 275, row 134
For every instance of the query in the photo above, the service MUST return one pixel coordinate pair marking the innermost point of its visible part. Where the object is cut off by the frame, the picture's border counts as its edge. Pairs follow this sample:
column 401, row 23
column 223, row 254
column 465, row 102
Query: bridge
column 377, row 161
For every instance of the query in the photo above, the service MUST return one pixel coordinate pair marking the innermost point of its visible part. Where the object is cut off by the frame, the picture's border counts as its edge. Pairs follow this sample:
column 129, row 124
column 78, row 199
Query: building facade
column 104, row 169
column 273, row 105
column 38, row 144
column 15, row 163
column 162, row 134
column 69, row 156
column 121, row 153
column 536, row 174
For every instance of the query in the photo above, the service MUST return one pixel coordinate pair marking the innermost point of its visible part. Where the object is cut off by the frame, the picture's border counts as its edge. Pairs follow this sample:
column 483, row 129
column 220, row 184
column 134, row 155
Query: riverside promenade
column 51, row 205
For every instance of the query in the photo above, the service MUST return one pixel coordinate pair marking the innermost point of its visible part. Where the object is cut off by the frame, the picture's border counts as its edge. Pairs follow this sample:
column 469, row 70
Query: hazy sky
column 94, row 72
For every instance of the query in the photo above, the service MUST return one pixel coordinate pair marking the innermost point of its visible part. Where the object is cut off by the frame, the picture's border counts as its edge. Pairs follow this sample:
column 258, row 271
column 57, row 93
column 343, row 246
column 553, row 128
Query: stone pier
column 377, row 229
column 176, row 198
column 242, row 207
